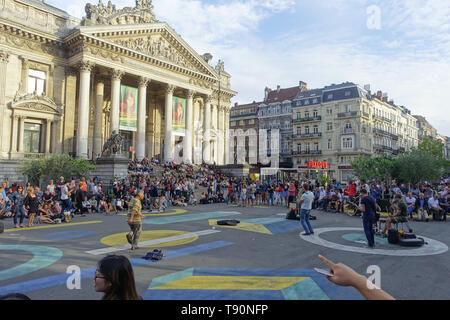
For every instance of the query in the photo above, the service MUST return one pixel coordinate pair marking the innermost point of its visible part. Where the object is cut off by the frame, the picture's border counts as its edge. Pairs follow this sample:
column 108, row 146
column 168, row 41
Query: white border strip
column 152, row 242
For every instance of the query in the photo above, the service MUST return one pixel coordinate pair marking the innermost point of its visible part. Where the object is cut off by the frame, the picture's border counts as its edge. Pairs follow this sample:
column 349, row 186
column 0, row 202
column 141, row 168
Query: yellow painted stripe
column 71, row 224
column 176, row 211
column 119, row 239
column 231, row 283
column 245, row 226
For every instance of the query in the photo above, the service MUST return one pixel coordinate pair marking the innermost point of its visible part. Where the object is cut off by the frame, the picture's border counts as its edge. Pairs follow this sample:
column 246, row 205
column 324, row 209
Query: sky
column 401, row 47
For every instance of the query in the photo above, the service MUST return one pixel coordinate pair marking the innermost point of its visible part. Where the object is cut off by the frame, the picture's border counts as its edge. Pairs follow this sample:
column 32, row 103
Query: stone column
column 24, row 76
column 48, row 135
column 14, row 132
column 187, row 143
column 168, row 140
column 142, row 117
column 83, row 109
column 226, row 130
column 221, row 138
column 21, row 131
column 4, row 59
column 116, row 77
column 206, row 130
column 98, row 116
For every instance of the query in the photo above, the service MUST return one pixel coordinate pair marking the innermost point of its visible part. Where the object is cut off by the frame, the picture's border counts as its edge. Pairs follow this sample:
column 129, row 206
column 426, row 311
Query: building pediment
column 33, row 102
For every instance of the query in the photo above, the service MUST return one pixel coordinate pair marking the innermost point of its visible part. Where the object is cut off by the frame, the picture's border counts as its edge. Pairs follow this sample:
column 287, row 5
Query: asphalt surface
column 258, row 259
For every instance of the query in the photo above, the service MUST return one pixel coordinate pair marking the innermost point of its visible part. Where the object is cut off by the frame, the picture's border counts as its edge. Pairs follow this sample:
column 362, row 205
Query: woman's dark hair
column 118, row 272
column 14, row 296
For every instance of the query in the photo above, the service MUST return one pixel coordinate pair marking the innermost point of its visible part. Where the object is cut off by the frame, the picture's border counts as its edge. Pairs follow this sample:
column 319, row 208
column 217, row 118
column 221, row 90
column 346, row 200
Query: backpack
column 228, row 222
column 156, row 254
column 393, row 237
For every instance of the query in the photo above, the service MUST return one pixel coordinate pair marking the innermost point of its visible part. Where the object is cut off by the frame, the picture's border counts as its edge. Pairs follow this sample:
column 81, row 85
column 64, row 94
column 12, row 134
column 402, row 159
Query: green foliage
column 368, row 168
column 433, row 147
column 418, row 166
column 55, row 167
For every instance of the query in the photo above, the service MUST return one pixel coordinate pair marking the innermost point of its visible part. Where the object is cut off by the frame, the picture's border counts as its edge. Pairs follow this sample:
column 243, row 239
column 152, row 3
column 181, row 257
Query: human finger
column 329, row 263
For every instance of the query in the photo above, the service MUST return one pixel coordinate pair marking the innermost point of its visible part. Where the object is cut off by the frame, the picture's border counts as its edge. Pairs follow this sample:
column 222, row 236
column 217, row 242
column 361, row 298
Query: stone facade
column 338, row 123
column 62, row 77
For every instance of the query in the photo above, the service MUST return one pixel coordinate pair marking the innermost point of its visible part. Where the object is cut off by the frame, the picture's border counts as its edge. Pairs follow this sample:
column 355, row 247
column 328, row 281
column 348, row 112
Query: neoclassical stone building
column 63, row 85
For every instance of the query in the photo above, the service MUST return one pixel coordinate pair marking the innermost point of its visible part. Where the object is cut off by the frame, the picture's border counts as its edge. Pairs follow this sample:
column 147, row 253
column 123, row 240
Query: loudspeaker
column 2, row 227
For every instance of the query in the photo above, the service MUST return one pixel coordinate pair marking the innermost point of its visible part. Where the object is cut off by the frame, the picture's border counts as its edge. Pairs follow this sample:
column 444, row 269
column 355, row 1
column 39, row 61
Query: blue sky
column 401, row 47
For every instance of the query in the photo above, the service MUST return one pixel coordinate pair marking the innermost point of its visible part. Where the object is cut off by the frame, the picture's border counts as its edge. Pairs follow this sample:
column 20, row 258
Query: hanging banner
column 128, row 108
column 179, row 116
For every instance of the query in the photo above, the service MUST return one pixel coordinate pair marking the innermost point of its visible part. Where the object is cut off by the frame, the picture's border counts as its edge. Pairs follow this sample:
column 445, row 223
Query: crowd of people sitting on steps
column 179, row 185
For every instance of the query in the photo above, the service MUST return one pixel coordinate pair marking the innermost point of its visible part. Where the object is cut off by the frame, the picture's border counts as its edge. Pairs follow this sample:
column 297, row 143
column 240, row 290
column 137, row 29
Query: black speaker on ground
column 2, row 227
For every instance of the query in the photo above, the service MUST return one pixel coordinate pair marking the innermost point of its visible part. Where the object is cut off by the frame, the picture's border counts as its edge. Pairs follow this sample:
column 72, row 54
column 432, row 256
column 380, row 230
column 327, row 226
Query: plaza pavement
column 263, row 258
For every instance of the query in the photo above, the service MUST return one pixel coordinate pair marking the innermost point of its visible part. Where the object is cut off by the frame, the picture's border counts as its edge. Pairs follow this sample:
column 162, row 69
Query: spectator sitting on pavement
column 45, row 214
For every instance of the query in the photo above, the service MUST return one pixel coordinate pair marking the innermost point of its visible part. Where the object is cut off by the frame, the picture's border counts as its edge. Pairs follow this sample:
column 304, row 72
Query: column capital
column 207, row 99
column 169, row 89
column 86, row 65
column 143, row 81
column 116, row 74
column 4, row 56
column 190, row 94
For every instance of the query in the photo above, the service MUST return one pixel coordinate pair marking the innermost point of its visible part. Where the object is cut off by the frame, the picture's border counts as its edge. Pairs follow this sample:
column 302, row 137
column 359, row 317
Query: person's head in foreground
column 115, row 278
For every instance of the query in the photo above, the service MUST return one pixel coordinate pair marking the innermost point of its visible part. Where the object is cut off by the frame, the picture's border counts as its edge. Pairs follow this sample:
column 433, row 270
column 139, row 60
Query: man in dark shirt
column 367, row 207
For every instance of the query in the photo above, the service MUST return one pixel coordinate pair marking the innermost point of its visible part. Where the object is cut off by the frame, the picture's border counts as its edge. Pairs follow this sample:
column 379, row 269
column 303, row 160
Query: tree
column 418, row 166
column 55, row 167
column 368, row 168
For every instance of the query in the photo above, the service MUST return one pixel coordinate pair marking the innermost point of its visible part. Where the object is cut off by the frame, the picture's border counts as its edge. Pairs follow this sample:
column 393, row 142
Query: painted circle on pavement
column 432, row 248
column 119, row 239
column 361, row 238
column 42, row 258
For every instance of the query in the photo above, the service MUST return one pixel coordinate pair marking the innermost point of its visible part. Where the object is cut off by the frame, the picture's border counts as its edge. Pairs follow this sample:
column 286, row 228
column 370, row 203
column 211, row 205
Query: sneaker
column 16, row 226
column 304, row 234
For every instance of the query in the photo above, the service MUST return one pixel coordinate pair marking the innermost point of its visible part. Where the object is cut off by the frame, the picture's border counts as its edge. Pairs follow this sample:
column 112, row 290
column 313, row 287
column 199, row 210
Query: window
column 316, row 129
column 315, row 100
column 306, row 114
column 252, row 121
column 241, row 122
column 299, row 130
column 329, row 110
column 306, row 102
column 307, row 147
column 330, row 96
column 330, row 144
column 299, row 147
column 348, row 125
column 36, row 81
column 233, row 123
column 315, row 113
column 32, row 137
column 348, row 108
column 347, row 93
column 329, row 126
column 347, row 143
column 307, row 129
column 316, row 146
column 298, row 115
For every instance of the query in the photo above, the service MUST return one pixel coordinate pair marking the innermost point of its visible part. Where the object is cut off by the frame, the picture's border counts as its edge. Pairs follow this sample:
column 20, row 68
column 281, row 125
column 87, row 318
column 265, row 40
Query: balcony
column 348, row 130
column 381, row 118
column 366, row 115
column 385, row 133
column 307, row 119
column 380, row 147
column 306, row 152
column 347, row 114
column 308, row 135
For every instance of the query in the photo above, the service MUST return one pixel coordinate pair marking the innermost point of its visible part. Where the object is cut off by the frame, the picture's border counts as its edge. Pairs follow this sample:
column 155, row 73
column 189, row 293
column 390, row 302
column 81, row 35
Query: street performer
column 134, row 220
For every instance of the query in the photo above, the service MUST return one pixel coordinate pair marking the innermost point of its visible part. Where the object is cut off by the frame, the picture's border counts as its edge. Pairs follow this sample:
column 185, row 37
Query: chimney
column 278, row 89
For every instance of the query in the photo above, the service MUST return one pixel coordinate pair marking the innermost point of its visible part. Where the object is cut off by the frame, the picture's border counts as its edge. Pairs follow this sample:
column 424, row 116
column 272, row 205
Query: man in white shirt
column 306, row 200
column 435, row 208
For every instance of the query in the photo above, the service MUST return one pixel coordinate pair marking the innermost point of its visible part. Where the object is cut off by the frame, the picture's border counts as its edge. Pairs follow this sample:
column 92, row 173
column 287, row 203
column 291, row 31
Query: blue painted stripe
column 67, row 235
column 283, row 226
column 304, row 290
column 156, row 294
column 61, row 279
column 156, row 282
column 262, row 220
column 42, row 258
column 335, row 292
column 190, row 217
